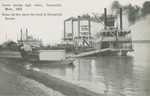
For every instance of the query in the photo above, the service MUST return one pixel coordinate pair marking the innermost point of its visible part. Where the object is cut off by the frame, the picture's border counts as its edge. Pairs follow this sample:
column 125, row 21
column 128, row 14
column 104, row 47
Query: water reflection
column 117, row 73
column 119, row 76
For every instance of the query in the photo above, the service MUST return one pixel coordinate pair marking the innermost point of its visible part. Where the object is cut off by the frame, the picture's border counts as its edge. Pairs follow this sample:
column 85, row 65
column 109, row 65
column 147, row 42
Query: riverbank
column 13, row 84
column 61, row 86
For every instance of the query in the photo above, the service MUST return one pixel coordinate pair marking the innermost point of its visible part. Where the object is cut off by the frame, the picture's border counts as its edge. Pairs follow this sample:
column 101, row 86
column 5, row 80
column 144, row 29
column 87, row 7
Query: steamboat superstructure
column 96, row 36
column 118, row 41
column 79, row 31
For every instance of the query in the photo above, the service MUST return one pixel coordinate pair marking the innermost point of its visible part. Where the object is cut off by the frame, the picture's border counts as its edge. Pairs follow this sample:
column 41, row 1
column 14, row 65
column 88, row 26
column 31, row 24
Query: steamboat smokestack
column 89, row 23
column 64, row 29
column 79, row 17
column 26, row 34
column 105, row 19
column 120, row 18
column 21, row 35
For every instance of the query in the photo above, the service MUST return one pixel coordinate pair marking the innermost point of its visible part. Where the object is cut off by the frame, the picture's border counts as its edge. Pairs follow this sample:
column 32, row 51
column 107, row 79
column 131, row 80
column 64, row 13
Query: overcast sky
column 49, row 29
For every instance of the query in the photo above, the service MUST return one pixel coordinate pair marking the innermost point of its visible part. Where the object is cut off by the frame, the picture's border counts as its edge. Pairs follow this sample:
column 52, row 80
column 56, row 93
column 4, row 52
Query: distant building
column 10, row 44
column 80, row 30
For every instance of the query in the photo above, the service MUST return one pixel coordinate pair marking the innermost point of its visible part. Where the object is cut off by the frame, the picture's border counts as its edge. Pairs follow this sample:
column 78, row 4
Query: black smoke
column 146, row 8
column 116, row 5
column 134, row 13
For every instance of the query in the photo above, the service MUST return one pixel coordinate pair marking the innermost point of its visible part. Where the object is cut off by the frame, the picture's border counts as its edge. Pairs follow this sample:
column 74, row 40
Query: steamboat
column 103, row 37
column 117, row 41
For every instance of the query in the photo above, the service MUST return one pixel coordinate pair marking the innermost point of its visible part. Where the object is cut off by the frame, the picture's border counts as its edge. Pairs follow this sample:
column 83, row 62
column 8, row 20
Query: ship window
column 112, row 34
column 129, row 31
column 121, row 33
column 115, row 33
column 104, row 34
column 70, row 38
column 108, row 33
column 87, row 38
column 125, row 33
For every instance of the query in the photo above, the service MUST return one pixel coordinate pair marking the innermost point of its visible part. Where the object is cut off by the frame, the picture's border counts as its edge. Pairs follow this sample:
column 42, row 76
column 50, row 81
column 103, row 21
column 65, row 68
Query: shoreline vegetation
column 66, row 88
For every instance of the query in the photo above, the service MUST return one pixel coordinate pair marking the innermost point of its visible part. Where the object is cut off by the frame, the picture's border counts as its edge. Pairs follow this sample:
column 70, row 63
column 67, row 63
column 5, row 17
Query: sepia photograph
column 74, row 48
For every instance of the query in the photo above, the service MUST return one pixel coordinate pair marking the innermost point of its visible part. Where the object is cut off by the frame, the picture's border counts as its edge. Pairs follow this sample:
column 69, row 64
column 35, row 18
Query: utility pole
column 6, row 37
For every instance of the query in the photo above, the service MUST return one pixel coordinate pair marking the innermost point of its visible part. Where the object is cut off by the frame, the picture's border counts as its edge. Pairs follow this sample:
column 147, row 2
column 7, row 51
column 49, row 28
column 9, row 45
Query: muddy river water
column 110, row 75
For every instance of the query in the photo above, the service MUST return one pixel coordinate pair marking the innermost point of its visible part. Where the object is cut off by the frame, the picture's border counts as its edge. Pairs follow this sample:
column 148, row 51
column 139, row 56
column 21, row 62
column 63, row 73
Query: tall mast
column 105, row 20
column 21, row 35
column 120, row 19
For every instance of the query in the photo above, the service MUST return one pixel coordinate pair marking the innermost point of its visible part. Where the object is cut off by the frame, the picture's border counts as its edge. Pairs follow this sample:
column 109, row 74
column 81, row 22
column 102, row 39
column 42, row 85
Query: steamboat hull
column 114, row 53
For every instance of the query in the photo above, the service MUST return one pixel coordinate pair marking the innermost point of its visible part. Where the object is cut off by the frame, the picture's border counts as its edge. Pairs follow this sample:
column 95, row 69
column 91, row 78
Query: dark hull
column 107, row 53
column 114, row 53
column 34, row 59
column 58, row 62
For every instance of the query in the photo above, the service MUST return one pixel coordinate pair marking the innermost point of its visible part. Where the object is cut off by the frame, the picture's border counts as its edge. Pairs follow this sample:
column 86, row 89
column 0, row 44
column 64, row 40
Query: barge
column 48, row 57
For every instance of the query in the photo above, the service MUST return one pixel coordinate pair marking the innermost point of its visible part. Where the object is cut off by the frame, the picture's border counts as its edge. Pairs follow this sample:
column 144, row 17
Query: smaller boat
column 47, row 57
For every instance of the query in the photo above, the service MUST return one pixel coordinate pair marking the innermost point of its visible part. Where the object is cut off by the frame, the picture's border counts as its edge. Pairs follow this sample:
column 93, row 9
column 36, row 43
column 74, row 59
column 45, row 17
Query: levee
column 10, row 54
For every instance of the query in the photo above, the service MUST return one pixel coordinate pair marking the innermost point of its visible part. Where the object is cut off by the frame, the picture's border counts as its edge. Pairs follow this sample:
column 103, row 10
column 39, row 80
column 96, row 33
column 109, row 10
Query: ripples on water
column 112, row 75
